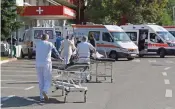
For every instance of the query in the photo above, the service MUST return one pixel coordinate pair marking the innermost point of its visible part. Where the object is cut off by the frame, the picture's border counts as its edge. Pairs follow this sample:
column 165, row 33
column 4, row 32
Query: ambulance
column 32, row 36
column 171, row 29
column 111, row 40
column 151, row 39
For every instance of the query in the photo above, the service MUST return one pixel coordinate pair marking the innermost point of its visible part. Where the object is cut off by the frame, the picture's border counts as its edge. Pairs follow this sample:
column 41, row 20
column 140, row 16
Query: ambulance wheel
column 162, row 53
column 22, row 54
column 29, row 54
column 141, row 55
column 129, row 59
column 113, row 55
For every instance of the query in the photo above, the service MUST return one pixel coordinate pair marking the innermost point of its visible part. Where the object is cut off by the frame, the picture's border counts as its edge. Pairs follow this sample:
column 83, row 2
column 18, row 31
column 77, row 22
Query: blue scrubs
column 58, row 42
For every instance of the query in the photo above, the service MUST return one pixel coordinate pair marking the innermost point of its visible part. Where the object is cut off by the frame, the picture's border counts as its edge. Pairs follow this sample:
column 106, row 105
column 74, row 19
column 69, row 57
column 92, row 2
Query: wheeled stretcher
column 106, row 63
column 67, row 83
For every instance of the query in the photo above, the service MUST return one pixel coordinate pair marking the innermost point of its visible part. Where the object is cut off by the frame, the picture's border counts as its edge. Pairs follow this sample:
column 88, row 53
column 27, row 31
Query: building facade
column 43, row 13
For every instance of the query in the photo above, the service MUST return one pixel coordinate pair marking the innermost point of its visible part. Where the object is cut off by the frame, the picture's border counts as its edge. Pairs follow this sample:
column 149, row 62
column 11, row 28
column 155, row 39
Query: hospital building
column 45, row 13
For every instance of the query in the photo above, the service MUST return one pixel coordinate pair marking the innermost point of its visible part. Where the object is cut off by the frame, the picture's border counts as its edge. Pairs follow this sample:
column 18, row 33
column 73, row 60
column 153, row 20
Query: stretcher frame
column 108, row 65
column 70, row 85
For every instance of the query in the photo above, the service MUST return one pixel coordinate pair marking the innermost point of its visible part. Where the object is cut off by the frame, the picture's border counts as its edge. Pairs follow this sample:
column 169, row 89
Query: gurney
column 107, row 64
column 68, row 84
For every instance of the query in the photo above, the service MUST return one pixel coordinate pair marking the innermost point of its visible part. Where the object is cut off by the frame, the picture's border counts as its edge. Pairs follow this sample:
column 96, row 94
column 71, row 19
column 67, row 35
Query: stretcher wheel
column 111, row 80
column 85, row 98
column 65, row 96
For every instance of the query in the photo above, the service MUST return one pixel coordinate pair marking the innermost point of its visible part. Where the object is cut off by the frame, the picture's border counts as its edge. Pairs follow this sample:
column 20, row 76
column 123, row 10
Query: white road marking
column 12, row 88
column 167, row 68
column 168, row 93
column 169, row 108
column 19, row 75
column 152, row 61
column 6, row 98
column 28, row 88
column 136, row 60
column 164, row 73
column 166, row 81
column 17, row 81
column 18, row 71
column 170, row 62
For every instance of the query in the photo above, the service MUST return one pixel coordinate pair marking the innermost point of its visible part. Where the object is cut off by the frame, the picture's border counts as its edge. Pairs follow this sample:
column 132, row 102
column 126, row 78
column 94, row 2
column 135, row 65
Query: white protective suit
column 83, row 51
column 67, row 50
column 44, row 65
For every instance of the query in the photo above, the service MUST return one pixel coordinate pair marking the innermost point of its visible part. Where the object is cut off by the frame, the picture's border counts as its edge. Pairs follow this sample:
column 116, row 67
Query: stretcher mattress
column 74, row 67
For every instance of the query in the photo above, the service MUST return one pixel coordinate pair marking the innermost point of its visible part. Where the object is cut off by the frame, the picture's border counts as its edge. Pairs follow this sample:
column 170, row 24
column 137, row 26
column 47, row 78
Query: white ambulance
column 31, row 36
column 110, row 39
column 171, row 29
column 151, row 39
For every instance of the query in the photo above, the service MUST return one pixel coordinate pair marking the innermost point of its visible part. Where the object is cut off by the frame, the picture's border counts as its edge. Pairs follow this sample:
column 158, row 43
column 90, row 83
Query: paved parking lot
column 144, row 83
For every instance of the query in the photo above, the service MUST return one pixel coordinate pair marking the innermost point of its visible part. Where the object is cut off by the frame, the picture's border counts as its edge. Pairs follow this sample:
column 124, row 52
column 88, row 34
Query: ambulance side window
column 132, row 35
column 96, row 35
column 155, row 38
column 106, row 37
column 38, row 34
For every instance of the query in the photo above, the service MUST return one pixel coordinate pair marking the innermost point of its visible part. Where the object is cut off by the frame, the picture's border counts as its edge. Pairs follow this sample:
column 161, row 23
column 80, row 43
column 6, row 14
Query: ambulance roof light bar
column 151, row 23
column 129, row 24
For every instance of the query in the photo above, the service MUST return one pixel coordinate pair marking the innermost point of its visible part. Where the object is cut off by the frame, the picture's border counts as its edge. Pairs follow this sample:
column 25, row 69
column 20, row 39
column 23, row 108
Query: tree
column 134, row 11
column 8, row 18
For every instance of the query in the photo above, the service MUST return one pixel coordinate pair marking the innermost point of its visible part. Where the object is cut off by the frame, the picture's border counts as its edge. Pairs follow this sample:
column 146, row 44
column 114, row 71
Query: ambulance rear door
column 133, row 35
column 52, row 34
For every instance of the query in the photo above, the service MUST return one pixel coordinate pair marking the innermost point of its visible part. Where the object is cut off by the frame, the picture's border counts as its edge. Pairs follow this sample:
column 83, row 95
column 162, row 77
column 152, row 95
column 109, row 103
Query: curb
column 9, row 60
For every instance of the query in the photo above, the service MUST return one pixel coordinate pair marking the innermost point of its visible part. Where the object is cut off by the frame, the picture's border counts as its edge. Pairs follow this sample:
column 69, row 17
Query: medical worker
column 67, row 48
column 59, row 39
column 83, row 53
column 44, row 65
column 83, row 50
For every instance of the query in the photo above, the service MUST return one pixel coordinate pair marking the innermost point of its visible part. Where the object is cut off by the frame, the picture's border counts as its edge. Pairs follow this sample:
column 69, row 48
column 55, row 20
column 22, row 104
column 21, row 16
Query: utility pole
column 79, row 12
column 174, row 14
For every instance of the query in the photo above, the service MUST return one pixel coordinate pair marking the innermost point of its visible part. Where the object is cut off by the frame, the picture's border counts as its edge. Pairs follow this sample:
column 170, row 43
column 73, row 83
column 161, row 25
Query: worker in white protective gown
column 83, row 53
column 44, row 48
column 67, row 48
column 83, row 50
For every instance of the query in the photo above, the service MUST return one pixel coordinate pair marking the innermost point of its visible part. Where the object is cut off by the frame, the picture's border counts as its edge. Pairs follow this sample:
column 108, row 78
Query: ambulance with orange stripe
column 31, row 36
column 151, row 39
column 110, row 39
column 171, row 29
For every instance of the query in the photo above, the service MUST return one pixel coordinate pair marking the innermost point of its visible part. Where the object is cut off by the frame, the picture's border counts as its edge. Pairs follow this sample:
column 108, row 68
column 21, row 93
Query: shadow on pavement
column 24, row 102
column 23, row 83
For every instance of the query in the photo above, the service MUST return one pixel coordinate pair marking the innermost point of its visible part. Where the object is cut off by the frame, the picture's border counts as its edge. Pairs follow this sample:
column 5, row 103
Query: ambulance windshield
column 120, row 36
column 166, row 36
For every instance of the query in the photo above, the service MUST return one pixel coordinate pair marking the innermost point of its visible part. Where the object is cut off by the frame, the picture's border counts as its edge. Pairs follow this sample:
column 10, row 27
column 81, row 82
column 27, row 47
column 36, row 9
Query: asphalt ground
column 144, row 83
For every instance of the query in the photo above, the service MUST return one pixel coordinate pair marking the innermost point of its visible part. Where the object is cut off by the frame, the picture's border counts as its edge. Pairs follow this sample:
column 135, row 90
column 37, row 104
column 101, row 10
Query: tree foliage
column 8, row 16
column 134, row 11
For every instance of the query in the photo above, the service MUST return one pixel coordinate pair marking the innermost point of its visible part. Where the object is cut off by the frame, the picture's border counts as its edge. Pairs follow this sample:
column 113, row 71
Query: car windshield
column 120, row 36
column 166, row 36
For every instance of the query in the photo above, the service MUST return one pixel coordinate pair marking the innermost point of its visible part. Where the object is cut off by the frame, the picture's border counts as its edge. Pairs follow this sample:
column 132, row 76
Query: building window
column 37, row 2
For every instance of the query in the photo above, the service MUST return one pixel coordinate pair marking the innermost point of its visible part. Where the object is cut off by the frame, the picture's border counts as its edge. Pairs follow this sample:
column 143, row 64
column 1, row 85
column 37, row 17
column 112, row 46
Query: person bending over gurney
column 83, row 54
column 44, row 65
column 83, row 51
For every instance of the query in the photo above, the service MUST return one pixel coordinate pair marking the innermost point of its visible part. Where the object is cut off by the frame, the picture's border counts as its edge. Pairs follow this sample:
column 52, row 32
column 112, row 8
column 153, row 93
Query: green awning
column 65, row 3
